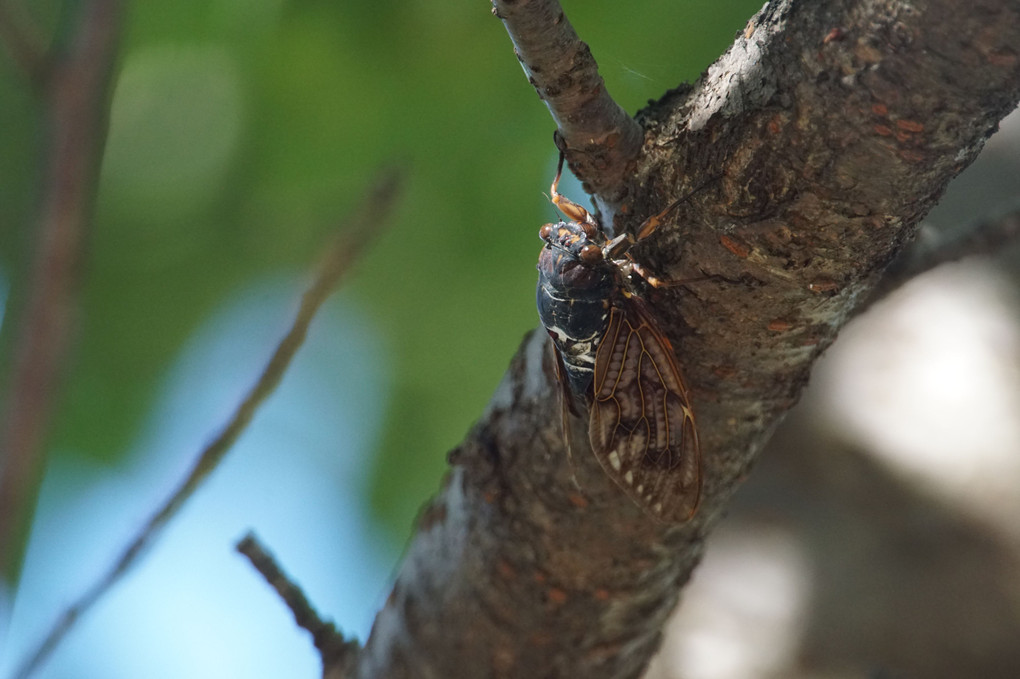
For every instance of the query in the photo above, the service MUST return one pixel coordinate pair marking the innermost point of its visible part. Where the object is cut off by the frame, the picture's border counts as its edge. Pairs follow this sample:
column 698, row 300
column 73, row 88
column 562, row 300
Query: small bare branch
column 599, row 138
column 24, row 47
column 986, row 237
column 335, row 650
column 358, row 232
column 76, row 96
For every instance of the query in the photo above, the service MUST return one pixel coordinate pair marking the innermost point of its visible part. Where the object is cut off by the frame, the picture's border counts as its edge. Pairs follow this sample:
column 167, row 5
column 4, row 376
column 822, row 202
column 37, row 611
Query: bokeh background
column 241, row 133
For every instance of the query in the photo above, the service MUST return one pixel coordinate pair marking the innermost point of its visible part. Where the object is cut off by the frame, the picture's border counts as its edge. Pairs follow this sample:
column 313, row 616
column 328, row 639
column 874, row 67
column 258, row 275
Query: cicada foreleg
column 617, row 249
column 568, row 207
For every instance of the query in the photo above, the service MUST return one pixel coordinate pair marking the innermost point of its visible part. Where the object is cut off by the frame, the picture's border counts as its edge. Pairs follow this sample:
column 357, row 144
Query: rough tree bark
column 825, row 133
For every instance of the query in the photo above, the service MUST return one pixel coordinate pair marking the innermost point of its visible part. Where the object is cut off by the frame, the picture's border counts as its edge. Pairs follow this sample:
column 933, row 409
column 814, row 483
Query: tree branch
column 76, row 94
column 986, row 237
column 324, row 635
column 23, row 46
column 350, row 243
column 832, row 128
column 600, row 140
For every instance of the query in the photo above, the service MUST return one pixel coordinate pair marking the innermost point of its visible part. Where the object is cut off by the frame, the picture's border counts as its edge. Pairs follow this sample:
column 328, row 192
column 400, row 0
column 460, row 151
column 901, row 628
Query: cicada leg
column 570, row 208
column 629, row 266
column 617, row 249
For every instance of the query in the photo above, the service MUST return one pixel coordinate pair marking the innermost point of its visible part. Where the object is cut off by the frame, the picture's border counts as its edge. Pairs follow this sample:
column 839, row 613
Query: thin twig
column 599, row 138
column 986, row 237
column 328, row 641
column 24, row 47
column 76, row 97
column 356, row 234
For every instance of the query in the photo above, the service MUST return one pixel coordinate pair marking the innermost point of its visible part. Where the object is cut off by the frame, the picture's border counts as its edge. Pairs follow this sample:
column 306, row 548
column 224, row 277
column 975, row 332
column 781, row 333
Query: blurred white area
column 741, row 617
column 193, row 607
column 929, row 379
column 928, row 382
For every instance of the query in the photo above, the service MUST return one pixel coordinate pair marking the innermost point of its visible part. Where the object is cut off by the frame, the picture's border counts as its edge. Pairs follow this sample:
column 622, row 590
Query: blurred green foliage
column 242, row 132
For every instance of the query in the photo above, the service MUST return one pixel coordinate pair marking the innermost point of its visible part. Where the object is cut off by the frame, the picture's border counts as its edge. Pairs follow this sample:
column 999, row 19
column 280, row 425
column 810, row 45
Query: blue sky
column 297, row 477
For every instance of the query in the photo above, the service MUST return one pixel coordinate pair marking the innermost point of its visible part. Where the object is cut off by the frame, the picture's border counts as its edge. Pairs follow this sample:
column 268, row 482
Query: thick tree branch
column 76, row 97
column 599, row 139
column 831, row 148
column 831, row 129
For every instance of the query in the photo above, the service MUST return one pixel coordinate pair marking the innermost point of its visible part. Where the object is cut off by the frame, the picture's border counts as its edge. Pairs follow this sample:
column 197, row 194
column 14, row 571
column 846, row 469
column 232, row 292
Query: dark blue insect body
column 574, row 298
column 618, row 365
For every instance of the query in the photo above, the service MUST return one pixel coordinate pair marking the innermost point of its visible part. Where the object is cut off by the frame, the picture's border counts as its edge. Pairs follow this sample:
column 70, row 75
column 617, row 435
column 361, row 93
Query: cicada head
column 572, row 262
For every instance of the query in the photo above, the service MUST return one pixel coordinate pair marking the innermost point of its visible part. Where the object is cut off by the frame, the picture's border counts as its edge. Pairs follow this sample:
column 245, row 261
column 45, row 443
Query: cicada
column 617, row 362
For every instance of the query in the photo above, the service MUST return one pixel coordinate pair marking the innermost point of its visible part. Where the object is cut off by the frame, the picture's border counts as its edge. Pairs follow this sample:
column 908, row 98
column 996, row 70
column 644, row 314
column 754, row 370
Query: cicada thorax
column 618, row 364
column 575, row 295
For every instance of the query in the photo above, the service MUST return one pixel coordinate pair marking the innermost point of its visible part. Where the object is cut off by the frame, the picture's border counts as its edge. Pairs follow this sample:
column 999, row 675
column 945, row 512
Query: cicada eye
column 545, row 232
column 591, row 254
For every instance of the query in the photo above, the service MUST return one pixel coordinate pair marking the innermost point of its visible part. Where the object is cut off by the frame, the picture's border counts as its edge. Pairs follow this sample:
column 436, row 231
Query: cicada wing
column 566, row 401
column 642, row 428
